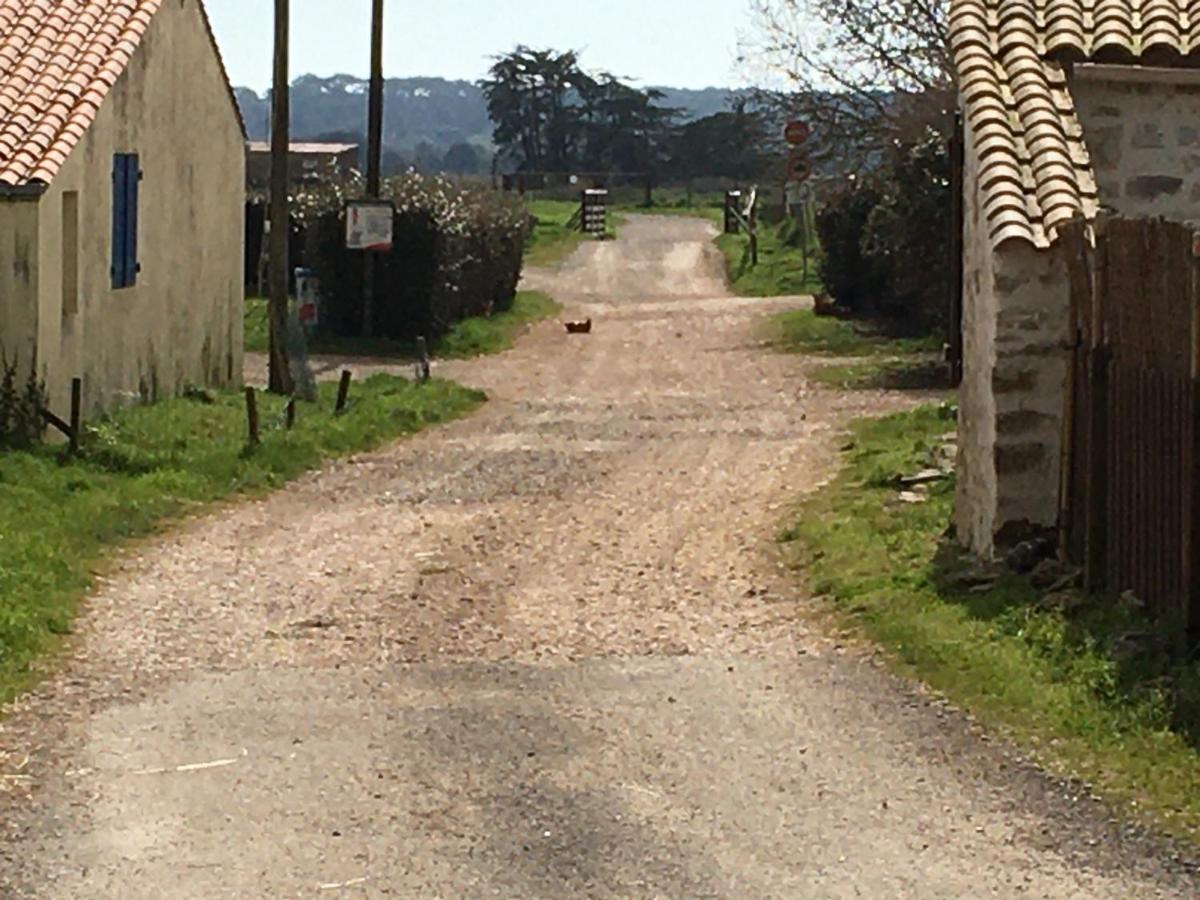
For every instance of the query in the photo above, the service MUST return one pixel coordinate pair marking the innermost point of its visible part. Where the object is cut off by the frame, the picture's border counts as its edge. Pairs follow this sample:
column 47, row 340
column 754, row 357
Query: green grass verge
column 803, row 331
column 780, row 270
column 469, row 338
column 552, row 242
column 1055, row 682
column 147, row 465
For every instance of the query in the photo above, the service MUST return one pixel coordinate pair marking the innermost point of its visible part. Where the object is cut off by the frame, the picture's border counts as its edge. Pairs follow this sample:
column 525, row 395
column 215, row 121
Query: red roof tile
column 58, row 61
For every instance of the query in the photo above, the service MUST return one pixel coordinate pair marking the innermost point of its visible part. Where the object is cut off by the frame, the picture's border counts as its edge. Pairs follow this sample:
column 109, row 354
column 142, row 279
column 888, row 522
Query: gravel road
column 543, row 652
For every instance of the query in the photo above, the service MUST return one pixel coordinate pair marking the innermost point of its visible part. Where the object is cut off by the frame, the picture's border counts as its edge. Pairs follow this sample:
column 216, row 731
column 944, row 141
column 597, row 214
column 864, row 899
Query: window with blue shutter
column 126, row 178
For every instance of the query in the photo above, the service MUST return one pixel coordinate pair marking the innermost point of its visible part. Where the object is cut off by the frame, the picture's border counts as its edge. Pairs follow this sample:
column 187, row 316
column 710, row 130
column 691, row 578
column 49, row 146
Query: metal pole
column 280, row 378
column 374, row 156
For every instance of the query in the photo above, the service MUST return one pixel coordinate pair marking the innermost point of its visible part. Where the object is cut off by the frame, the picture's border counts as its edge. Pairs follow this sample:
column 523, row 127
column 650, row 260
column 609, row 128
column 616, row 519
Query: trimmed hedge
column 457, row 252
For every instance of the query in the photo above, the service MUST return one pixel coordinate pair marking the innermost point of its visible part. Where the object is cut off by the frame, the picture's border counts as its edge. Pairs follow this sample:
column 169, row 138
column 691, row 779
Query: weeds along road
column 545, row 652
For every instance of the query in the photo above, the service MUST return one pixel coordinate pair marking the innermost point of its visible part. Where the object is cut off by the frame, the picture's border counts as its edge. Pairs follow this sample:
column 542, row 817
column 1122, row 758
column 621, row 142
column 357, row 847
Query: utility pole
column 374, row 156
column 280, row 380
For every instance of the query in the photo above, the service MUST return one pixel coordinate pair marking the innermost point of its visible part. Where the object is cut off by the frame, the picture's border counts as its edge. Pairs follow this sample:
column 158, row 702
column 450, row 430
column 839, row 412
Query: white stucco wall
column 182, row 322
column 1144, row 142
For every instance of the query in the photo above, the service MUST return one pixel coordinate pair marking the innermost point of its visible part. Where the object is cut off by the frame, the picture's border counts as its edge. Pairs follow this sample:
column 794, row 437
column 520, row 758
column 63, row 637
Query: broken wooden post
column 76, row 415
column 252, row 417
column 290, row 414
column 423, row 364
column 343, row 393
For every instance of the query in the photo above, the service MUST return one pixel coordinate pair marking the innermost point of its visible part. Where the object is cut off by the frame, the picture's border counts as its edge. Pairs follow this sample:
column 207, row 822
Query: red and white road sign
column 797, row 133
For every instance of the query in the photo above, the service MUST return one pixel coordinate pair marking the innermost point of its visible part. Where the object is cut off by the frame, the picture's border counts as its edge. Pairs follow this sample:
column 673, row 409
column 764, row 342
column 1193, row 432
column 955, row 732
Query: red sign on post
column 797, row 133
column 799, row 168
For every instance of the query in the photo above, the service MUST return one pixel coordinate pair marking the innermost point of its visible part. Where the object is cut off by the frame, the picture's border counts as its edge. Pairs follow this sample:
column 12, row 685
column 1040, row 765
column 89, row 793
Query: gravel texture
column 546, row 651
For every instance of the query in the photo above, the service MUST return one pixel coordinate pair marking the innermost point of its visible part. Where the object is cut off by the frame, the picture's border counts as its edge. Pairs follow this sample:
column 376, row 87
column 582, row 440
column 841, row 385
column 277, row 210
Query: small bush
column 22, row 399
column 841, row 222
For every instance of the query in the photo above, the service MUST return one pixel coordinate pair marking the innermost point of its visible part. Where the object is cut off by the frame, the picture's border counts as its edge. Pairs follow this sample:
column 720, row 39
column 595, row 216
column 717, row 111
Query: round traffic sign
column 797, row 133
column 799, row 168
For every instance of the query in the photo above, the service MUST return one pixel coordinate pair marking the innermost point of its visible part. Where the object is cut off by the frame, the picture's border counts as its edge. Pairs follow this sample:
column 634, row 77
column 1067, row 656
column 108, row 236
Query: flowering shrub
column 456, row 253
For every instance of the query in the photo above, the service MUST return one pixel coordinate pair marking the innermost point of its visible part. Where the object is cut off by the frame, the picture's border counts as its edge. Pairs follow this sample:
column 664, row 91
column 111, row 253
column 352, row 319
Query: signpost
column 799, row 170
column 369, row 225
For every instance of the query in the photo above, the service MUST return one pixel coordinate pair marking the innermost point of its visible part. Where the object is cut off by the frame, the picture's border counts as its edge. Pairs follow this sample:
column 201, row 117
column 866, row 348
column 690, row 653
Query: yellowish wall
column 18, row 278
column 182, row 322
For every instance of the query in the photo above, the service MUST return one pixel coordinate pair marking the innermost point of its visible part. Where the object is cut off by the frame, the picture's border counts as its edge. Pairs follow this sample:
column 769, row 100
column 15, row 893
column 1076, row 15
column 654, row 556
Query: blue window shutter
column 133, row 177
column 120, row 229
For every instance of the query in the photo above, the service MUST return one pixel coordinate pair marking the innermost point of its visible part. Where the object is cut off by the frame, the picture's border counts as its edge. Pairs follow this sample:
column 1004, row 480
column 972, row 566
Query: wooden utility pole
column 280, row 378
column 374, row 156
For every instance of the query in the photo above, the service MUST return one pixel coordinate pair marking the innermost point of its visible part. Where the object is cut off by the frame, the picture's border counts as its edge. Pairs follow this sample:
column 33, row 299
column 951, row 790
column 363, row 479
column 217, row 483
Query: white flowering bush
column 457, row 253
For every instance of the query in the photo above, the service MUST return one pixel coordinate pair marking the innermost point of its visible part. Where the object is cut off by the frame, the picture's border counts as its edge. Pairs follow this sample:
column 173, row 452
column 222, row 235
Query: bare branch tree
column 864, row 72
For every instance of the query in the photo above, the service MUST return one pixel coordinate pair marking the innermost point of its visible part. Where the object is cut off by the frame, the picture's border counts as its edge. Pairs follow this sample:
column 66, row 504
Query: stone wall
column 975, row 503
column 1015, row 363
column 1144, row 141
column 1029, row 385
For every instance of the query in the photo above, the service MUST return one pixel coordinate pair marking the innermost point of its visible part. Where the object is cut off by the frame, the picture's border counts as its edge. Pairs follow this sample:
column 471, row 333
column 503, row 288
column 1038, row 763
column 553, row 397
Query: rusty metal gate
column 1130, row 487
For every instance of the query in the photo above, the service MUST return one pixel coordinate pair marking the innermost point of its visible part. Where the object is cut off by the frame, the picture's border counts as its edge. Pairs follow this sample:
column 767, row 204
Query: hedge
column 457, row 252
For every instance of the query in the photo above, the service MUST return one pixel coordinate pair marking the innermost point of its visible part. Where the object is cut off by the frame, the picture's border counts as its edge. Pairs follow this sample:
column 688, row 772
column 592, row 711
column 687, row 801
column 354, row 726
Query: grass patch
column 915, row 372
column 147, row 465
column 1064, row 685
column 803, row 331
column 469, row 338
column 780, row 270
column 552, row 242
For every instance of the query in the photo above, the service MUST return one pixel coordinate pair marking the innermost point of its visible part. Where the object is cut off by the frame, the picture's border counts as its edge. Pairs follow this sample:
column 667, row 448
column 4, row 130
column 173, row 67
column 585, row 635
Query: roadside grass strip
column 1064, row 682
column 146, row 466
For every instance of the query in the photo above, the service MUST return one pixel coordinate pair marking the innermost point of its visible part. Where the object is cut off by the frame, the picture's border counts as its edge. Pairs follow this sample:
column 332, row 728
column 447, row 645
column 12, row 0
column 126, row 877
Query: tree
column 734, row 144
column 463, row 159
column 865, row 73
column 551, row 116
column 623, row 128
column 531, row 98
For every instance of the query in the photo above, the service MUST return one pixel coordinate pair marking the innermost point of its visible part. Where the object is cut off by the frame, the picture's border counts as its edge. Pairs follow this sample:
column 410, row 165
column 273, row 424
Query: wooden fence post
column 343, row 393
column 252, row 435
column 423, row 364
column 76, row 415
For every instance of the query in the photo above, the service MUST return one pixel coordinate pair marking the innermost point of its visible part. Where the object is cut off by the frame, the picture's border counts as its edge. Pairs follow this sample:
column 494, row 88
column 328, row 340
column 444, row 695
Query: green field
column 149, row 465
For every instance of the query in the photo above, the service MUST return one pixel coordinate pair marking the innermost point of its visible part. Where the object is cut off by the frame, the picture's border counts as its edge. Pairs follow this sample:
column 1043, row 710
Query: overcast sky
column 679, row 43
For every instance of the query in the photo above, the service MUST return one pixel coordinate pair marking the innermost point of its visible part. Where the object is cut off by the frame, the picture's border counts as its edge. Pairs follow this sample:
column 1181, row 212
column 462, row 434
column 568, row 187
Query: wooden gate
column 1130, row 486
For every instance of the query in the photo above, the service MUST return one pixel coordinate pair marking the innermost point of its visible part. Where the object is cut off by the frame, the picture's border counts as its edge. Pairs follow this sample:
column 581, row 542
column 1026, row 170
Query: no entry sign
column 797, row 133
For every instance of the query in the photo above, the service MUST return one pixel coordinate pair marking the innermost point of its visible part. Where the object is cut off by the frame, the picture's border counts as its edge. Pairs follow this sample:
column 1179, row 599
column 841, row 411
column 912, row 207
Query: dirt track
column 542, row 652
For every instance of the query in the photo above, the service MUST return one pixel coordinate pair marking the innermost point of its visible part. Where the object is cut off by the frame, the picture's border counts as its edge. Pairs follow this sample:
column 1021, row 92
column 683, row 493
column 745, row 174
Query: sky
column 675, row 43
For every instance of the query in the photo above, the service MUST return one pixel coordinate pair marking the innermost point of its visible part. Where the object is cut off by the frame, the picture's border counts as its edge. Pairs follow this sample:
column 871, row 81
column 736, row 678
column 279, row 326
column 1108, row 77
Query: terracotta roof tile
column 1009, row 56
column 58, row 60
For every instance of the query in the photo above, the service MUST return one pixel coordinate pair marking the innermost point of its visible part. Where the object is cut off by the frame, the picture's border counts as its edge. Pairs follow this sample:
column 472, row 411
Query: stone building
column 122, row 183
column 1070, row 107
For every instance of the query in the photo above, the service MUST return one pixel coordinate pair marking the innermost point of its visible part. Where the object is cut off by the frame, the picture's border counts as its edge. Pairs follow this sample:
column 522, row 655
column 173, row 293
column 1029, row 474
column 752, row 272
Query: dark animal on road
column 579, row 327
